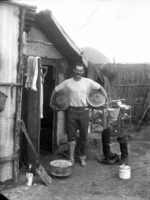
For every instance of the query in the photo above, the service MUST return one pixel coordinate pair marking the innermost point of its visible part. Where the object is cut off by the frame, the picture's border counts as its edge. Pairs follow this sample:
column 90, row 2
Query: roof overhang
column 56, row 35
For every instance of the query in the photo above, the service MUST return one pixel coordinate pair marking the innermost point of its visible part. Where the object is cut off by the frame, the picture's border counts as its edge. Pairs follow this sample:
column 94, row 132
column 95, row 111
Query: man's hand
column 106, row 105
column 54, row 108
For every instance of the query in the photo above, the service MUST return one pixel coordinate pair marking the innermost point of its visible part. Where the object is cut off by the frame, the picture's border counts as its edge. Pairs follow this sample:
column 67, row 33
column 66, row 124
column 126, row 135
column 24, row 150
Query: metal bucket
column 61, row 167
column 2, row 101
column 124, row 172
column 113, row 113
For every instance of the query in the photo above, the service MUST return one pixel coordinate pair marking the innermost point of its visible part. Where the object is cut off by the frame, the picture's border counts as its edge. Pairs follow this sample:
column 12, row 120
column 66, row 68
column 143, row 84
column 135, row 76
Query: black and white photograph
column 75, row 99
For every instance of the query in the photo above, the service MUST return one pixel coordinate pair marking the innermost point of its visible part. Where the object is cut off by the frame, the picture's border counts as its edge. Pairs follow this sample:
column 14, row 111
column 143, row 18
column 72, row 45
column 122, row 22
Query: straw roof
column 99, row 64
column 94, row 56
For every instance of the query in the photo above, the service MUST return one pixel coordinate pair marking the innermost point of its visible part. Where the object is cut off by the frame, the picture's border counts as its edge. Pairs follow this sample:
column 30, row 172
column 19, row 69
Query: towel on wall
column 32, row 76
column 32, row 73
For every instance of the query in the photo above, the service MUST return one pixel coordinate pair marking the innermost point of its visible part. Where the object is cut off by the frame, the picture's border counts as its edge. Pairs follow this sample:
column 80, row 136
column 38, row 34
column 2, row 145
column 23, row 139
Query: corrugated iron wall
column 133, row 84
column 9, row 34
column 14, row 19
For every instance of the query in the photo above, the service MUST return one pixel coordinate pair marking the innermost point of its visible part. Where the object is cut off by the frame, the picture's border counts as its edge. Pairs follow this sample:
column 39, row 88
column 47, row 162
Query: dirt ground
column 96, row 181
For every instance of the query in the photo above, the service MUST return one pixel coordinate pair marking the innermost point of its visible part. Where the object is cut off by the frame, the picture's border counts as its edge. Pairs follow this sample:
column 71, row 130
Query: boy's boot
column 124, row 153
column 109, row 157
column 106, row 143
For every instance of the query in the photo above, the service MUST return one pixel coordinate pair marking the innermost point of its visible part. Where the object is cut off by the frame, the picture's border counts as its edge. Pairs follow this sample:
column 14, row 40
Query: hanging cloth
column 32, row 73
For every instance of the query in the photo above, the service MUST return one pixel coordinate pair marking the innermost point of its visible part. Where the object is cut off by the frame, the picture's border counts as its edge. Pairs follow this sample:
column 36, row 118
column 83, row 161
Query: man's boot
column 124, row 153
column 72, row 145
column 109, row 157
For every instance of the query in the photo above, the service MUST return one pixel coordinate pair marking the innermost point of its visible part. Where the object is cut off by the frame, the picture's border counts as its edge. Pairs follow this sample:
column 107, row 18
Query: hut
column 14, row 20
column 35, row 55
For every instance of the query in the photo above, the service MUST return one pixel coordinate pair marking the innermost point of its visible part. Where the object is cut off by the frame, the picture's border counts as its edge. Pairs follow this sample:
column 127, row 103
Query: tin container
column 124, row 172
column 61, row 167
column 29, row 177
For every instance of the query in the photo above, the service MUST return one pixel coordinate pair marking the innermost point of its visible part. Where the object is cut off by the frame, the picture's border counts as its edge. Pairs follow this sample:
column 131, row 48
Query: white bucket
column 124, row 172
column 113, row 113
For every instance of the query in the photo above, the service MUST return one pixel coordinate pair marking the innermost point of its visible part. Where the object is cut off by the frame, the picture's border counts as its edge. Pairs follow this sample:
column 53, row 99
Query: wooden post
column 54, row 135
column 18, row 98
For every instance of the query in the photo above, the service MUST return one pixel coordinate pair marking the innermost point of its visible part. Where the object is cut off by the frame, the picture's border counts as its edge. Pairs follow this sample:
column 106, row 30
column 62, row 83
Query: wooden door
column 33, row 117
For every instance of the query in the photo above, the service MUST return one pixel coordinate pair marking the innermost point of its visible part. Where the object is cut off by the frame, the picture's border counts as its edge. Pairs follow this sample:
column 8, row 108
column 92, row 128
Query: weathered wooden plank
column 9, row 158
column 40, row 169
column 33, row 118
column 18, row 97
column 8, row 74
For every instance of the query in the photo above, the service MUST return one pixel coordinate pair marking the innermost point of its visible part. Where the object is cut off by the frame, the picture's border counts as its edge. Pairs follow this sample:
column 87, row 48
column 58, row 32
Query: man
column 77, row 115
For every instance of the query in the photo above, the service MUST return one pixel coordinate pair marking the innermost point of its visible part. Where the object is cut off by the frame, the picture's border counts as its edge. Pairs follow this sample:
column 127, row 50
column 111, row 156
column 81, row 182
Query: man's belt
column 79, row 108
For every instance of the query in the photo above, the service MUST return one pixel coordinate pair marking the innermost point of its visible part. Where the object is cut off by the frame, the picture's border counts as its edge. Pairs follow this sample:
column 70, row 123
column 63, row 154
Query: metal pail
column 61, row 167
column 113, row 113
column 124, row 172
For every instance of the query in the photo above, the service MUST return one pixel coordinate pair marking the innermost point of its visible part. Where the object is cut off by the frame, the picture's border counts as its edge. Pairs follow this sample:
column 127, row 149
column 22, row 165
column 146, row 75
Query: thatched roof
column 94, row 56
column 99, row 64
